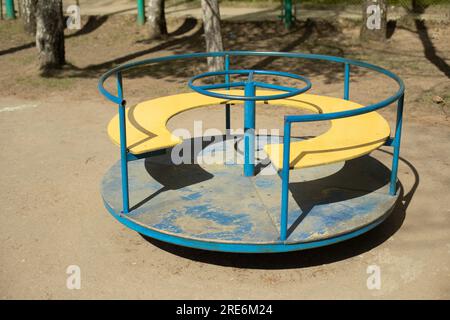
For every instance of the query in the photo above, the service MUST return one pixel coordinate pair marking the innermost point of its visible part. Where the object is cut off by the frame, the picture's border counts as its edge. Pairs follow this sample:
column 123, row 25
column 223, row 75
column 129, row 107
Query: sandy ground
column 55, row 151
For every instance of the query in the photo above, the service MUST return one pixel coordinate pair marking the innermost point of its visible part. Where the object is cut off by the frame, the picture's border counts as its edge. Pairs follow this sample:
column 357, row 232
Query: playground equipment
column 141, row 12
column 339, row 192
column 288, row 13
column 10, row 10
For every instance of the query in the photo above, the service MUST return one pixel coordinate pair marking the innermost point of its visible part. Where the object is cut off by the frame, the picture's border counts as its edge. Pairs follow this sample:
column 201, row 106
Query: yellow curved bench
column 346, row 139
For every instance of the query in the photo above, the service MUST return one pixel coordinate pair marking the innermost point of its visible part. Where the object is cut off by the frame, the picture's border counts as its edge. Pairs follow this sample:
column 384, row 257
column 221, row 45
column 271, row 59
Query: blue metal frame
column 123, row 144
column 396, row 144
column 285, row 180
column 227, row 106
column 288, row 120
column 347, row 82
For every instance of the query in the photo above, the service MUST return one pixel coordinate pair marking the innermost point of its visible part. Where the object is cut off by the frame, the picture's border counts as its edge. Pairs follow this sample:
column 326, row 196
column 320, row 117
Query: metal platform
column 211, row 205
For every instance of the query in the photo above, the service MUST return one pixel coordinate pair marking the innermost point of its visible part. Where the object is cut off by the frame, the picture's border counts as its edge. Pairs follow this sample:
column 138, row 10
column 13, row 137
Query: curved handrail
column 292, row 118
column 290, row 92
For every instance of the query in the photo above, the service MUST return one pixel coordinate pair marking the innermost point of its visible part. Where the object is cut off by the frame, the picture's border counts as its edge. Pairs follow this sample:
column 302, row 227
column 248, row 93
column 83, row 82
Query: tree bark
column 418, row 6
column 50, row 34
column 28, row 15
column 374, row 20
column 156, row 19
column 213, row 33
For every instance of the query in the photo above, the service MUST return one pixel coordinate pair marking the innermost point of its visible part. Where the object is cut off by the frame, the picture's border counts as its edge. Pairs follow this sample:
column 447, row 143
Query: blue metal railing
column 227, row 106
column 347, row 81
column 288, row 120
column 290, row 92
column 131, row 65
column 123, row 144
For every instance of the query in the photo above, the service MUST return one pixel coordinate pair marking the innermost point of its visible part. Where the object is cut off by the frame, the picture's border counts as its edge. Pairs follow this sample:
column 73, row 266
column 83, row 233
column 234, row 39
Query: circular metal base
column 210, row 204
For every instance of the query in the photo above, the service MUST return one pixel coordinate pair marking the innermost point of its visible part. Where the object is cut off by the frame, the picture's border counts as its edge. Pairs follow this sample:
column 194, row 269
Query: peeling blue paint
column 236, row 210
column 192, row 196
column 264, row 183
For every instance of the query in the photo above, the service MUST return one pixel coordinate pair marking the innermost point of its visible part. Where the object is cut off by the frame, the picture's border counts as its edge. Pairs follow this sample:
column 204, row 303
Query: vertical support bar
column 141, row 12
column 287, row 13
column 227, row 106
column 396, row 145
column 347, row 81
column 123, row 145
column 249, row 129
column 285, row 180
column 10, row 12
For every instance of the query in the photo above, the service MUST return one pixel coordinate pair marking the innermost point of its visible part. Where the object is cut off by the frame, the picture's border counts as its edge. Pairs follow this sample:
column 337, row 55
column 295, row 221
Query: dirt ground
column 55, row 150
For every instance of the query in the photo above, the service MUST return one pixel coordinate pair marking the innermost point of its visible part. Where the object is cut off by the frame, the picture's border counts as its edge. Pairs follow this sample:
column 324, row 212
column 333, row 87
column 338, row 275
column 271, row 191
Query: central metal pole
column 249, row 129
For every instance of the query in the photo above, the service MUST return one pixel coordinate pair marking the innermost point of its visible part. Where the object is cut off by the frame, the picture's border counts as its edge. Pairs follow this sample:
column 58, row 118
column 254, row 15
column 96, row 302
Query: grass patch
column 59, row 84
column 8, row 27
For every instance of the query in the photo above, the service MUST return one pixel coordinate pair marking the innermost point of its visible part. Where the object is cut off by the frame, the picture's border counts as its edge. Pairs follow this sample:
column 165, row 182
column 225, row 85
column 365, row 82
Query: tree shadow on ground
column 418, row 6
column 429, row 49
column 311, row 257
column 390, row 28
column 92, row 24
column 306, row 36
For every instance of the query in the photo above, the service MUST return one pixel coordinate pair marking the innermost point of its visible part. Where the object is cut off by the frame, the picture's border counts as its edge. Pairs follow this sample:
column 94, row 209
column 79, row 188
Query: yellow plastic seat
column 346, row 139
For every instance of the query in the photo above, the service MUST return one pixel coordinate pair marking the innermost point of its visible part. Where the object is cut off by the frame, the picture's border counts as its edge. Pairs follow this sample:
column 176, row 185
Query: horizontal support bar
column 289, row 92
column 222, row 85
column 274, row 86
column 340, row 114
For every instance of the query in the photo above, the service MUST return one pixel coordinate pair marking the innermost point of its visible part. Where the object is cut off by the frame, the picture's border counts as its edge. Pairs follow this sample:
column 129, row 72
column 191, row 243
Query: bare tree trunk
column 374, row 20
column 157, row 19
column 213, row 33
column 50, row 34
column 28, row 14
column 418, row 6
